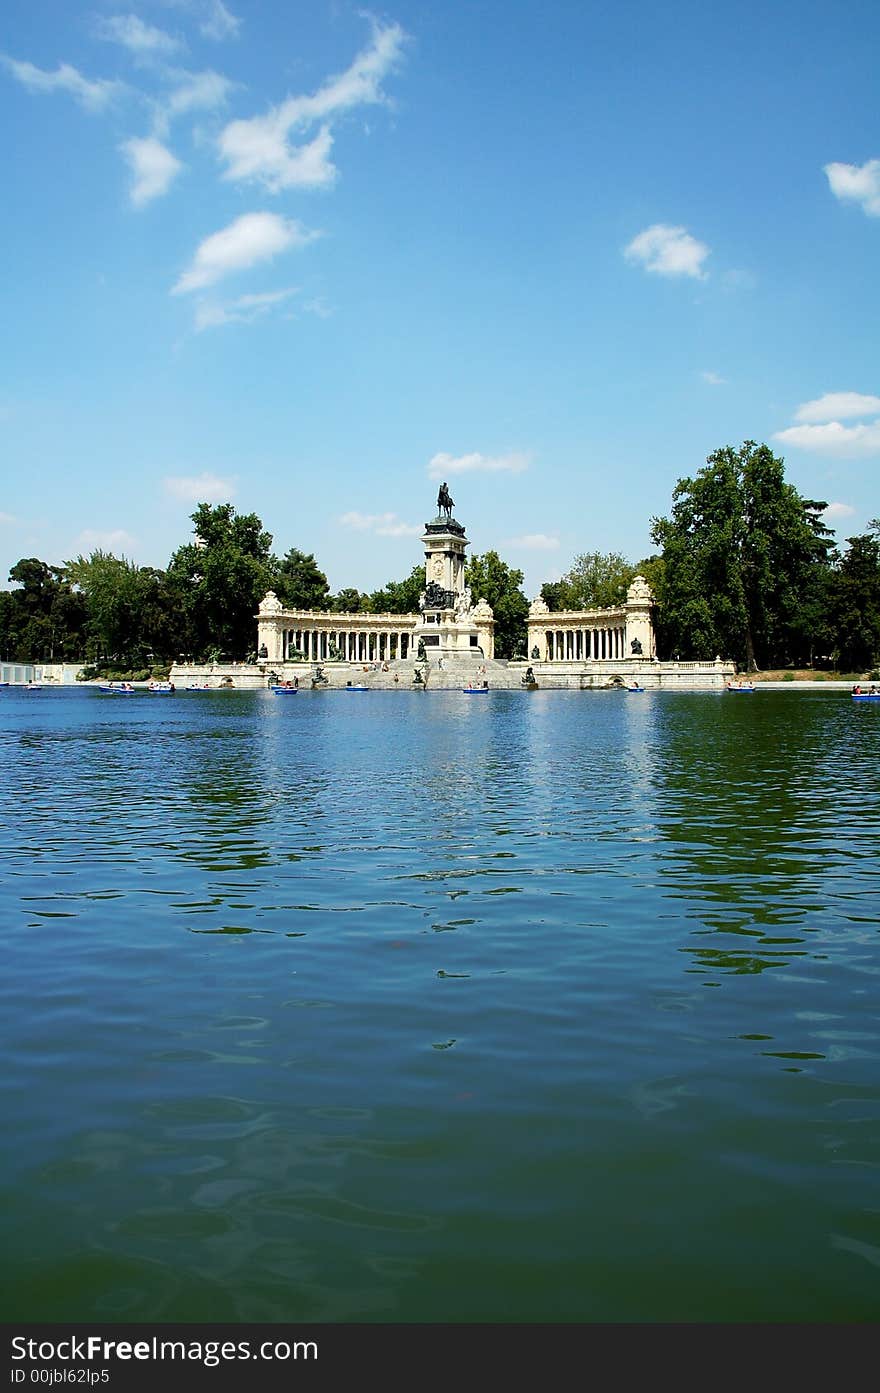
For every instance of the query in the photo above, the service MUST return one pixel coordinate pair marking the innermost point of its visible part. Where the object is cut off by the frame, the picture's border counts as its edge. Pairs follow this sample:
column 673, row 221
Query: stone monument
column 451, row 625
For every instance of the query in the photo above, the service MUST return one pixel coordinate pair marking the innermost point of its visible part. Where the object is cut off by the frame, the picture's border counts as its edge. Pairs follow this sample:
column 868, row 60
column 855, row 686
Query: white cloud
column 143, row 40
column 105, row 541
column 153, row 167
column 739, row 279
column 93, row 95
column 251, row 238
column 219, row 23
column 668, row 251
column 858, row 182
column 382, row 524
column 838, row 510
column 200, row 488
column 215, row 20
column 442, row 465
column 318, row 306
column 533, row 541
column 259, row 148
column 7, row 519
column 244, row 310
column 838, row 406
column 713, row 379
column 834, row 439
column 204, row 91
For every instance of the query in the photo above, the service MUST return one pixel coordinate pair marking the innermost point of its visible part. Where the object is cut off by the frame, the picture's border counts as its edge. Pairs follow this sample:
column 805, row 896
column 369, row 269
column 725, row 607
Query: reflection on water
column 555, row 1006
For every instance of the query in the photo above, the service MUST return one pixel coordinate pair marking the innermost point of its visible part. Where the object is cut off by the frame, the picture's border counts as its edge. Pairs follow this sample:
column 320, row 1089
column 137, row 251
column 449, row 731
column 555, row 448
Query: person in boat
column 857, row 691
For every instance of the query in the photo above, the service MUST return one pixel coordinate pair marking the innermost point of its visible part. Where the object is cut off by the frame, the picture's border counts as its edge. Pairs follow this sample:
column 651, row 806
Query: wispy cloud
column 219, row 22
column 442, row 465
column 93, row 94
column 200, row 488
column 204, row 91
column 119, row 540
column 8, row 520
column 381, row 524
column 533, row 541
column 838, row 511
column 737, row 278
column 142, row 40
column 857, row 183
column 260, row 149
column 250, row 239
column 668, row 251
column 833, row 439
column 713, row 379
column 838, row 406
column 244, row 310
column 319, row 307
column 822, row 431
column 214, row 18
column 153, row 168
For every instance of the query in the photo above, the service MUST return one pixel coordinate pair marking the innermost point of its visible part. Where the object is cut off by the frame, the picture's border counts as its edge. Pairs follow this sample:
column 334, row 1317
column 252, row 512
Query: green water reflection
column 556, row 1006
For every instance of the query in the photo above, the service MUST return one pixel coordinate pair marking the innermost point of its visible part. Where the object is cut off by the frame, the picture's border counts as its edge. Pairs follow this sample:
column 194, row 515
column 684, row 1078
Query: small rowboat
column 733, row 687
column 475, row 691
column 355, row 687
column 635, row 689
column 160, row 689
column 865, row 696
column 112, row 690
column 198, row 688
column 284, row 691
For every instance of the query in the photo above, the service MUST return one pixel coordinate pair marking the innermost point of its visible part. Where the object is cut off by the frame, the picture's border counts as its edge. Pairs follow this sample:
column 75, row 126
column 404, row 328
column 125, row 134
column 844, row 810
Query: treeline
column 747, row 569
column 108, row 612
column 744, row 568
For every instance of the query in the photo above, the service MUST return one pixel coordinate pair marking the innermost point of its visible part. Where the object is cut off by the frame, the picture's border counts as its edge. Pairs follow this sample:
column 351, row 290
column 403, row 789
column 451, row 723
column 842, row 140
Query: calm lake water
column 425, row 1007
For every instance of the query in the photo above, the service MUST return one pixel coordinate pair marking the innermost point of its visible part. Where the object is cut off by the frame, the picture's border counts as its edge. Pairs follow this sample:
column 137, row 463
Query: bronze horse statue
column 445, row 503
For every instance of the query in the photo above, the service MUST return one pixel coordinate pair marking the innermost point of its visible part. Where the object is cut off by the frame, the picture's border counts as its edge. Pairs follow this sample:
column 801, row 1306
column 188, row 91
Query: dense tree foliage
column 491, row 579
column 398, row 596
column 130, row 613
column 43, row 618
column 347, row 601
column 855, row 603
column 219, row 580
column 595, row 580
column 300, row 583
column 744, row 555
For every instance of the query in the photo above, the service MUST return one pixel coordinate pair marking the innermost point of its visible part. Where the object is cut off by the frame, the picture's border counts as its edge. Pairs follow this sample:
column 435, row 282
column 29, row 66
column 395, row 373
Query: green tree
column 557, row 595
column 347, row 601
column 491, row 579
column 741, row 551
column 595, row 580
column 218, row 581
column 42, row 618
column 114, row 591
column 855, row 603
column 300, row 582
column 397, row 596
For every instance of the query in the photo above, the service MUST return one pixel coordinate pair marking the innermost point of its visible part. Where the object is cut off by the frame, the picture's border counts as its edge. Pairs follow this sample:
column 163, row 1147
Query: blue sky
column 313, row 259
